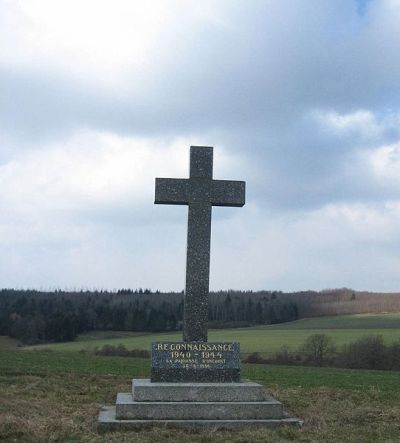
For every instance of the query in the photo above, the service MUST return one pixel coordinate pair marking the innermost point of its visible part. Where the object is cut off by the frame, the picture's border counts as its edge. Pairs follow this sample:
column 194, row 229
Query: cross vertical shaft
column 197, row 273
column 200, row 192
column 198, row 245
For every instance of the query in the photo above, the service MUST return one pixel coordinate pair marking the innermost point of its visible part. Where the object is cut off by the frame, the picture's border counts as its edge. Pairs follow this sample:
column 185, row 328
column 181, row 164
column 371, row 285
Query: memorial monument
column 195, row 383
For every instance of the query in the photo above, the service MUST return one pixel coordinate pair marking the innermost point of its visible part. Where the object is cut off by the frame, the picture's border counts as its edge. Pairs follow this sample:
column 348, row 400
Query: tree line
column 34, row 316
column 37, row 317
column 367, row 352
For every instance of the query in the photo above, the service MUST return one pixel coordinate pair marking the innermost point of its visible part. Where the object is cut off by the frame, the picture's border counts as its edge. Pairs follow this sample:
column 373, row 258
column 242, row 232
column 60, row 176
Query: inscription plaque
column 182, row 361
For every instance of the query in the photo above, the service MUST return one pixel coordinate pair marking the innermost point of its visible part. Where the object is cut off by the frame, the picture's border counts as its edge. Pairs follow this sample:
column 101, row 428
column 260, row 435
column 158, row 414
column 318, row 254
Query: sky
column 300, row 98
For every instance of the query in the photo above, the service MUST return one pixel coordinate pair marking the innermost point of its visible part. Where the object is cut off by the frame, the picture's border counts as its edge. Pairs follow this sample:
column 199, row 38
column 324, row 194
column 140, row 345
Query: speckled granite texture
column 200, row 192
column 245, row 391
column 194, row 406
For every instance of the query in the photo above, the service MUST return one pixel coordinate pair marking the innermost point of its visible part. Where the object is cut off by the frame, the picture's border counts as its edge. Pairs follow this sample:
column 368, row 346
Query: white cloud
column 94, row 41
column 338, row 245
column 43, row 190
column 56, row 203
column 80, row 36
column 384, row 163
column 300, row 99
column 88, row 167
column 360, row 123
column 95, row 174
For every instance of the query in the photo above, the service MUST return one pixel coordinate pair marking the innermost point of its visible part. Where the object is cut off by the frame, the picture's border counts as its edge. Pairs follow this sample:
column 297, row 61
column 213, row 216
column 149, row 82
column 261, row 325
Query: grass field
column 54, row 392
column 262, row 339
column 55, row 396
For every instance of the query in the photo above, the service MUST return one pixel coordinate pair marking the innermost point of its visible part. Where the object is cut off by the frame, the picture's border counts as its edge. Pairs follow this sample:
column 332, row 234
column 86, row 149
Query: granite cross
column 200, row 192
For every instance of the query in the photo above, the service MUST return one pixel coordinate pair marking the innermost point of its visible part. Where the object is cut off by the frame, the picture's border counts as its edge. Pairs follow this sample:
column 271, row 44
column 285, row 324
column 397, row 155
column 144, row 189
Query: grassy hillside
column 355, row 321
column 55, row 396
column 262, row 339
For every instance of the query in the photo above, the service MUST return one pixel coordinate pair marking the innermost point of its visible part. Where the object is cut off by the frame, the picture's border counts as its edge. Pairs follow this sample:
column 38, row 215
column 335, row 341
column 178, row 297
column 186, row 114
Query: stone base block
column 194, row 406
column 144, row 390
column 108, row 422
column 127, row 408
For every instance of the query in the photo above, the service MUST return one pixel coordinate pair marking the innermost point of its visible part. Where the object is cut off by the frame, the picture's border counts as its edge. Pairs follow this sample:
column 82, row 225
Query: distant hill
column 344, row 301
column 34, row 317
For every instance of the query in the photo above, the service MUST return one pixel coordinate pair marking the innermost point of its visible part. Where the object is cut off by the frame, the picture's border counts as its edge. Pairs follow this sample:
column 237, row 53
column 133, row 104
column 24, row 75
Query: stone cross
column 200, row 192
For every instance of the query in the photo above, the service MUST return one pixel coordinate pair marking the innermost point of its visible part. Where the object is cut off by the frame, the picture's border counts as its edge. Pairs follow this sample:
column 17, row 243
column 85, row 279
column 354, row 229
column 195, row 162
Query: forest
column 33, row 316
column 36, row 317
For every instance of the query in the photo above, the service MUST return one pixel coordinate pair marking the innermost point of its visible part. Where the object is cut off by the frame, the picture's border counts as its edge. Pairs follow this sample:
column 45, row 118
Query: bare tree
column 318, row 349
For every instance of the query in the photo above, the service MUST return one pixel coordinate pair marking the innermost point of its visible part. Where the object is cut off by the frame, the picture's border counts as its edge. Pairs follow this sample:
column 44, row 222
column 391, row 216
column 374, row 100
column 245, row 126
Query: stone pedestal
column 194, row 405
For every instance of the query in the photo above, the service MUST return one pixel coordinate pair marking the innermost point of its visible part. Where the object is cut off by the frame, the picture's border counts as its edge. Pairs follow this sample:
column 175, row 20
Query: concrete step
column 244, row 391
column 127, row 408
column 108, row 422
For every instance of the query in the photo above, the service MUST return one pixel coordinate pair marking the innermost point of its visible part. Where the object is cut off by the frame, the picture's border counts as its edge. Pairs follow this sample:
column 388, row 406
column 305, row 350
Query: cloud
column 356, row 124
column 81, row 37
column 86, row 171
column 383, row 164
column 80, row 213
column 300, row 99
column 333, row 246
column 327, row 157
column 218, row 66
column 91, row 179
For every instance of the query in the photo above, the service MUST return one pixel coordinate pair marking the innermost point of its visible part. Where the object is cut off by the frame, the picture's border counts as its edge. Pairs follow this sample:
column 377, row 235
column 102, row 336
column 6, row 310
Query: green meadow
column 55, row 396
column 54, row 392
column 263, row 339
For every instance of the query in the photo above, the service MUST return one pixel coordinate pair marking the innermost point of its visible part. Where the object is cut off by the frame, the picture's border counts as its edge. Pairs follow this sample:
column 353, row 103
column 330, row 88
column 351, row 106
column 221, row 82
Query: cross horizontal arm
column 228, row 193
column 172, row 191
